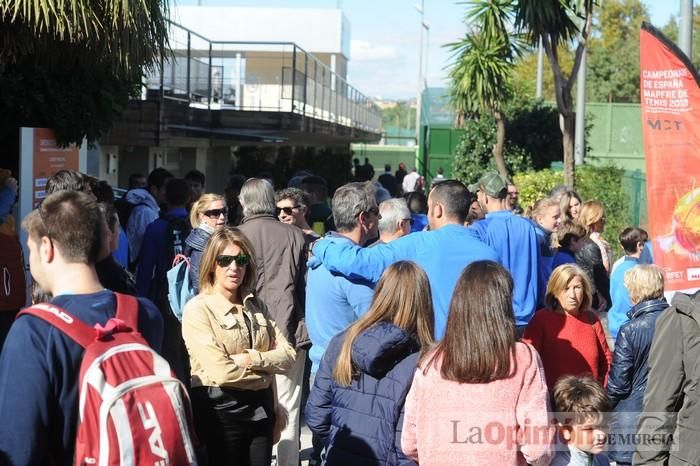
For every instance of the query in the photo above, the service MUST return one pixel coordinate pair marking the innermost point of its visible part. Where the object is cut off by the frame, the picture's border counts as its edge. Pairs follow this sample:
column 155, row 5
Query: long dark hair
column 480, row 337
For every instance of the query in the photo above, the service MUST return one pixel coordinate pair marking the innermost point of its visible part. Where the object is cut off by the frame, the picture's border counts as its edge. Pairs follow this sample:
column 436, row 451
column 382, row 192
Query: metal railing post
column 209, row 80
column 294, row 73
column 189, row 58
column 306, row 78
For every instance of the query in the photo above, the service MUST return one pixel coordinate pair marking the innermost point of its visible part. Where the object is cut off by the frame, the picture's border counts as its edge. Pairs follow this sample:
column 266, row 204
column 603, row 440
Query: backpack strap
column 75, row 328
column 127, row 310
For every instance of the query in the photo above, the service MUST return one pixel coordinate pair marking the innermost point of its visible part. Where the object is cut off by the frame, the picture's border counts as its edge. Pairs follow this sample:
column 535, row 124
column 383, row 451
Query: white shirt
column 409, row 182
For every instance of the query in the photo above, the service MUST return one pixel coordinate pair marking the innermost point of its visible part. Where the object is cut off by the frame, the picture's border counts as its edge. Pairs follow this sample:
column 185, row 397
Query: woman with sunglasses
column 208, row 214
column 235, row 349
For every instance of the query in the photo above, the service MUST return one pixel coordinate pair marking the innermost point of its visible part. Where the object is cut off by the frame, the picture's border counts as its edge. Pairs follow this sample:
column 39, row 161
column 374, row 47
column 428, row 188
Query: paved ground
column 305, row 446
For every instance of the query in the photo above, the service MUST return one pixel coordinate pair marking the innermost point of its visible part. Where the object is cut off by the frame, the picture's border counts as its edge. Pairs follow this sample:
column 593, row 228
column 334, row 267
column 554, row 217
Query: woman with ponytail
column 356, row 403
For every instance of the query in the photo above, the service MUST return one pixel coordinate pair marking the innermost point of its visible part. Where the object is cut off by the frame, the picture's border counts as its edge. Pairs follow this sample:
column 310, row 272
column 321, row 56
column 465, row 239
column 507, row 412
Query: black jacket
column 590, row 259
column 627, row 380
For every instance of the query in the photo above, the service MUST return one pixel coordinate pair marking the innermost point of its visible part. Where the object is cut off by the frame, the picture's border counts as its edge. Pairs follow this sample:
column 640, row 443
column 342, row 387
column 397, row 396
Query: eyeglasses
column 513, row 193
column 286, row 210
column 216, row 213
column 224, row 260
column 409, row 220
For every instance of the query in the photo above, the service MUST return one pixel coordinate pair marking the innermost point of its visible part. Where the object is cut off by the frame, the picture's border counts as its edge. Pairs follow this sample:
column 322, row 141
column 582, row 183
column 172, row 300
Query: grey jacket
column 280, row 258
column 669, row 428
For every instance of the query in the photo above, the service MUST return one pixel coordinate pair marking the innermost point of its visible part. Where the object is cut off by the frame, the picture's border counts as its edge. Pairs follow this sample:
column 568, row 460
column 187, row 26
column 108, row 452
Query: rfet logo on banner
column 670, row 98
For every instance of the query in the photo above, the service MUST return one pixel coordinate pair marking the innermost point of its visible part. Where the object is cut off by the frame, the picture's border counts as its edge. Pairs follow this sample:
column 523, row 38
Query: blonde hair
column 644, row 282
column 541, row 206
column 591, row 213
column 216, row 245
column 201, row 205
column 402, row 297
column 560, row 279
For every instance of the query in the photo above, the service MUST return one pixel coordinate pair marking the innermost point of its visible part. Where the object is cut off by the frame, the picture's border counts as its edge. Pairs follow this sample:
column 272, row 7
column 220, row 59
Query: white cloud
column 362, row 50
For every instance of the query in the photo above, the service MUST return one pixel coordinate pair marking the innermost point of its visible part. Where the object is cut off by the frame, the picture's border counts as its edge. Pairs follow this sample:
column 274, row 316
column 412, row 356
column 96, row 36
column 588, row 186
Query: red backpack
column 132, row 409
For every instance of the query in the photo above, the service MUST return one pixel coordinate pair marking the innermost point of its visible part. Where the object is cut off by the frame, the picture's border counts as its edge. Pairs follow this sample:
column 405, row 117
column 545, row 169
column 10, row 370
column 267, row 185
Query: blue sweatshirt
column 515, row 241
column 333, row 302
column 617, row 315
column 39, row 370
column 442, row 253
column 154, row 255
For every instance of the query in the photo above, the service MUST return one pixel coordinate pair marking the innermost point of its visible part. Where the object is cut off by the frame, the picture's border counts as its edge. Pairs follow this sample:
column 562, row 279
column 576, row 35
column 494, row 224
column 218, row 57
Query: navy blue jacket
column 194, row 248
column 362, row 423
column 39, row 369
column 628, row 376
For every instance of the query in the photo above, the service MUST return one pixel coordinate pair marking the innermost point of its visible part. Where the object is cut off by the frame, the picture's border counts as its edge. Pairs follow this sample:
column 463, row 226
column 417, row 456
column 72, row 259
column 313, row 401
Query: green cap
column 473, row 188
column 493, row 185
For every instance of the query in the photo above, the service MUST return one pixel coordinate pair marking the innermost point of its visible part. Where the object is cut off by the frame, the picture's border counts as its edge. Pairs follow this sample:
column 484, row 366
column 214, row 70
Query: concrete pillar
column 157, row 157
column 109, row 164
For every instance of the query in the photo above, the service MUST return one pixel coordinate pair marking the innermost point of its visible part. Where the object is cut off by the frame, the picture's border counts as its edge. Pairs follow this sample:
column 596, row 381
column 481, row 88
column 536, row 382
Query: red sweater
column 569, row 345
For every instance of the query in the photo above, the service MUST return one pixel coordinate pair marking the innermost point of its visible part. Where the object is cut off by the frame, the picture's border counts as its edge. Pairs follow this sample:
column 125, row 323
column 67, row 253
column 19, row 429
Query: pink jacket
column 506, row 422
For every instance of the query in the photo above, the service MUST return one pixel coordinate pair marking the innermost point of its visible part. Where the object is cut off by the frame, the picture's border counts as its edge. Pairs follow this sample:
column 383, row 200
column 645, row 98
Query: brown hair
column 564, row 204
column 579, row 399
column 201, row 205
column 215, row 246
column 73, row 221
column 630, row 237
column 480, row 335
column 568, row 231
column 401, row 297
column 559, row 280
column 591, row 213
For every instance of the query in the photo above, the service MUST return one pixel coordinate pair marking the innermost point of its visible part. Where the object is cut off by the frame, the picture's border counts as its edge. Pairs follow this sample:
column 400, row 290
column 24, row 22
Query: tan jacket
column 214, row 330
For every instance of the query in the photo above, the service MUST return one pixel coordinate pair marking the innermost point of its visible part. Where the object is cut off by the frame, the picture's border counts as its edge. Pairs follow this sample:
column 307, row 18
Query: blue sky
column 385, row 36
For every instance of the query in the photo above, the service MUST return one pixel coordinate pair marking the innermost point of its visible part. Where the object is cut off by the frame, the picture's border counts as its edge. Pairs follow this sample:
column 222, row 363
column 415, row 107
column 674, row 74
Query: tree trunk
column 500, row 143
column 568, row 130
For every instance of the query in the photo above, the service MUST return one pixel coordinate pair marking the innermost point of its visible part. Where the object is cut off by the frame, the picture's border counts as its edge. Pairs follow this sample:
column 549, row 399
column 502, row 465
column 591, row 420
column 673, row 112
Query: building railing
column 258, row 76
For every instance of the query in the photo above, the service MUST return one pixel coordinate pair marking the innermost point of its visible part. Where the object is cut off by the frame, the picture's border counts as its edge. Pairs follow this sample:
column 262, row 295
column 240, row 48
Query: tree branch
column 582, row 44
column 559, row 80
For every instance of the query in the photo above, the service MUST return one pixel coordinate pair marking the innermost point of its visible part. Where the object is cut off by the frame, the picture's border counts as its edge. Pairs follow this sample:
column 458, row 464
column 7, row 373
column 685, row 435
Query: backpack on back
column 180, row 289
column 132, row 409
column 13, row 290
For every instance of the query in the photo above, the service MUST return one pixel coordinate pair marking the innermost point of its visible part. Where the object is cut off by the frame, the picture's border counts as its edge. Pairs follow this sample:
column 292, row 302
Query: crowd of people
column 402, row 325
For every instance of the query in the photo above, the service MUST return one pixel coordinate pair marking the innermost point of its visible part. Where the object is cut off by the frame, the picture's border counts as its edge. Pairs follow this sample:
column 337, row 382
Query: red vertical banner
column 48, row 159
column 670, row 98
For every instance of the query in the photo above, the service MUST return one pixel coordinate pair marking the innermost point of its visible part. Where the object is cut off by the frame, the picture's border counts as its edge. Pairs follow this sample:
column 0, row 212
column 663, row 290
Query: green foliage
column 73, row 66
column 533, row 141
column 670, row 29
column 474, row 153
column 603, row 183
column 399, row 116
column 613, row 69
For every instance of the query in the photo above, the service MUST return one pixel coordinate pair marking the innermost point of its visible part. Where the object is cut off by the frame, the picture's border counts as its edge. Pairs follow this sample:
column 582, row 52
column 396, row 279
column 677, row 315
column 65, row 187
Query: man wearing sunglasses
column 280, row 257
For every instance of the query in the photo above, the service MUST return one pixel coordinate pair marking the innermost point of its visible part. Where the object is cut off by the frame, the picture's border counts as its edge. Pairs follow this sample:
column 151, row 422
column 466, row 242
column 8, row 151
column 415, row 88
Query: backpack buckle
column 112, row 326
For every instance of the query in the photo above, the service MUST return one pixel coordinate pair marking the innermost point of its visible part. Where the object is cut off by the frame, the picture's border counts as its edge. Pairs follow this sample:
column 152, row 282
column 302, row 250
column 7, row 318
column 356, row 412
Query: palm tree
column 73, row 65
column 557, row 23
column 483, row 64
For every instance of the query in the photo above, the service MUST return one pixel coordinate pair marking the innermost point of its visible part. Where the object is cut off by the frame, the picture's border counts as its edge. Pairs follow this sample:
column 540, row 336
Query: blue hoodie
column 515, row 241
column 333, row 302
column 443, row 254
column 145, row 213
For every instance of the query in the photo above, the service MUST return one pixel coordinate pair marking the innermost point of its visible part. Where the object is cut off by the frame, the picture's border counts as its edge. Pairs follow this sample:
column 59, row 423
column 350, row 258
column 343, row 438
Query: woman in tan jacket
column 235, row 349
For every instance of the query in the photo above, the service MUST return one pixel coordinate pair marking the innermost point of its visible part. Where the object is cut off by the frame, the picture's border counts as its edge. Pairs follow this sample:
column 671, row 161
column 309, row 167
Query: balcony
column 250, row 91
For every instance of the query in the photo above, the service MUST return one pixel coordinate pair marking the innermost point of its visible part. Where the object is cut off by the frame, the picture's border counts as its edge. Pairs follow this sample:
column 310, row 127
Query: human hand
column 281, row 420
column 242, row 360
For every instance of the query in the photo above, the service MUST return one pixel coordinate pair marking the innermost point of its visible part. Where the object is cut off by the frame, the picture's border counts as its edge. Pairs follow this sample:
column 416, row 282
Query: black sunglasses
column 286, row 210
column 216, row 213
column 224, row 260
